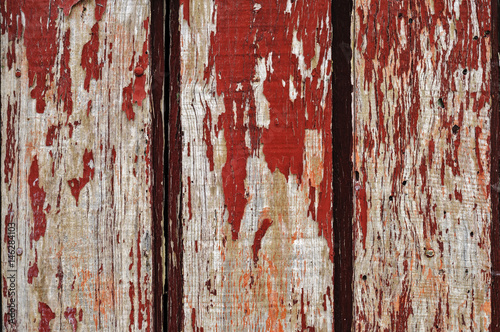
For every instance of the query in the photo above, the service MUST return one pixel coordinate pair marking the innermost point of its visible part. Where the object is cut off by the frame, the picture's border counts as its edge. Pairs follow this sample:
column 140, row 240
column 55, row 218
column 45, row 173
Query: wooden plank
column 256, row 198
column 422, row 152
column 76, row 166
column 343, row 208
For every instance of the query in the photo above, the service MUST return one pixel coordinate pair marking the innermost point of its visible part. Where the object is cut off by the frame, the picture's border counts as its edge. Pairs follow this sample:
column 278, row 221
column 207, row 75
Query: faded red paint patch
column 10, row 143
column 64, row 84
column 46, row 315
column 69, row 314
column 77, row 185
column 37, row 195
column 266, row 223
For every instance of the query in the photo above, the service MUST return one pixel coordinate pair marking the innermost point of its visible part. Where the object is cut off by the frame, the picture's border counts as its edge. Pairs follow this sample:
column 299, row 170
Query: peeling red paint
column 46, row 315
column 207, row 124
column 59, row 275
column 10, row 143
column 127, row 101
column 37, row 195
column 64, row 83
column 266, row 223
column 4, row 286
column 135, row 92
column 11, row 22
column 89, row 107
column 69, row 314
column 66, row 5
column 77, row 185
column 90, row 61
column 40, row 25
column 132, row 313
column 33, row 272
column 33, row 269
column 242, row 30
column 52, row 134
column 141, row 306
column 190, row 207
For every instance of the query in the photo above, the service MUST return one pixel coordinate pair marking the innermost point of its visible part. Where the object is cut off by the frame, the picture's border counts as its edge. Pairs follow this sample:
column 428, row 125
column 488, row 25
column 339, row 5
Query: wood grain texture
column 422, row 73
column 256, row 207
column 76, row 165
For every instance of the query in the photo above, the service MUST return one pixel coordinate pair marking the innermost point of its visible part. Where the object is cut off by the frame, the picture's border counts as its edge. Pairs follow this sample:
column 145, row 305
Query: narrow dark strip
column 495, row 167
column 175, row 313
column 343, row 206
column 157, row 50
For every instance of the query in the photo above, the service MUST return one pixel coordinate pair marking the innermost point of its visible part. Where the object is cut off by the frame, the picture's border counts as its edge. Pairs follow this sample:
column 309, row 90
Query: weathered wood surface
column 422, row 110
column 256, row 170
column 76, row 165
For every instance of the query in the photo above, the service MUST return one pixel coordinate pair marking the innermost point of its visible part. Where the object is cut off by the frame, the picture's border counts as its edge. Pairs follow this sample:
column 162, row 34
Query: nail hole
column 404, row 183
column 440, row 102
column 391, row 198
column 475, row 38
column 357, row 175
column 364, row 277
column 486, row 33
column 471, row 234
column 410, row 21
column 455, row 129
column 465, row 72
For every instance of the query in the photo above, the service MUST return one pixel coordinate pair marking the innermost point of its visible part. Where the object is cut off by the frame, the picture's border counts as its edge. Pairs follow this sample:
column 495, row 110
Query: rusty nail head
column 138, row 71
column 19, row 251
column 18, row 73
column 429, row 252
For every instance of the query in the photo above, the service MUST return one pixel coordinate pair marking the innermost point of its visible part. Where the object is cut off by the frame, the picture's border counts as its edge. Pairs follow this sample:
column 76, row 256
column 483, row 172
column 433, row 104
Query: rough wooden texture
column 76, row 165
column 256, row 206
column 422, row 113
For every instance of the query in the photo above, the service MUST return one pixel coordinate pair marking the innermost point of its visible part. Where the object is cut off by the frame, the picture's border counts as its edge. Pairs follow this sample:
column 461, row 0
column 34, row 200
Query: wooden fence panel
column 422, row 111
column 76, row 165
column 256, row 169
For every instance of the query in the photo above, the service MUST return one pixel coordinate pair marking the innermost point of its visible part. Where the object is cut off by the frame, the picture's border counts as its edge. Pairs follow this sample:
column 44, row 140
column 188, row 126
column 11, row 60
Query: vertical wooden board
column 422, row 113
column 76, row 170
column 256, row 206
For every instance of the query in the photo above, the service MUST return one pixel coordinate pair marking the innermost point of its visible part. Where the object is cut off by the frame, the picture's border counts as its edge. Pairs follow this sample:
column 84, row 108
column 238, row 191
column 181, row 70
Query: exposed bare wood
column 422, row 151
column 76, row 165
